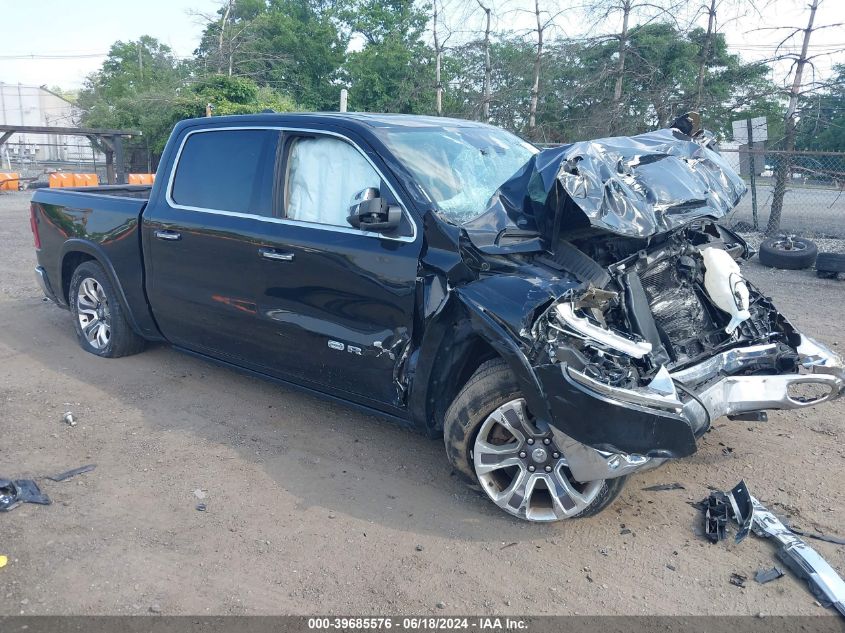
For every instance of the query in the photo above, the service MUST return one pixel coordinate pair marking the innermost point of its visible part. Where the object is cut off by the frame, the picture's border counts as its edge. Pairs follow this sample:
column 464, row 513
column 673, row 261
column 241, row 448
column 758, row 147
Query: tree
column 296, row 46
column 135, row 88
column 628, row 9
column 800, row 63
column 394, row 71
column 822, row 124
column 141, row 85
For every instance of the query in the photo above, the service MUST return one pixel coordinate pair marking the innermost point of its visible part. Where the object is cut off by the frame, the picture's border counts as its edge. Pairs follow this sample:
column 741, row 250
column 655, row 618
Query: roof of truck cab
column 356, row 118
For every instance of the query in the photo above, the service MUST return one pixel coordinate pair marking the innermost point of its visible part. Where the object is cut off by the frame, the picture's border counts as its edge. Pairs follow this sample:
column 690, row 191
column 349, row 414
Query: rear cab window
column 227, row 170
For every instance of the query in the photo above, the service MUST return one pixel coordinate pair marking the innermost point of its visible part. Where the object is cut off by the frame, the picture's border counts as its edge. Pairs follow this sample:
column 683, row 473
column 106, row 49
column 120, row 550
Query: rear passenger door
column 203, row 238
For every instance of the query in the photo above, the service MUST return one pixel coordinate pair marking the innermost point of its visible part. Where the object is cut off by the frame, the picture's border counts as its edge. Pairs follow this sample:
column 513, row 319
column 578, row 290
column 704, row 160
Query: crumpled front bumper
column 821, row 371
column 629, row 426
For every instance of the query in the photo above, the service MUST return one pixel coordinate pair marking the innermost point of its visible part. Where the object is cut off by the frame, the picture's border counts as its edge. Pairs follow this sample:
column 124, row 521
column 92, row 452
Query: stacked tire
column 830, row 265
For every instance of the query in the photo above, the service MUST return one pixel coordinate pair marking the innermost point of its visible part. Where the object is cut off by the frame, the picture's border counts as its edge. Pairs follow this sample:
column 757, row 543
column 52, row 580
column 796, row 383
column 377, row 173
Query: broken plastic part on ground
column 14, row 493
column 768, row 575
column 662, row 487
column 805, row 562
column 72, row 473
column 716, row 515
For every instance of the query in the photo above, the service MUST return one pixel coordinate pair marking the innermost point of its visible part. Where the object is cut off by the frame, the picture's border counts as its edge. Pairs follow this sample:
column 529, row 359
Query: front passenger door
column 339, row 307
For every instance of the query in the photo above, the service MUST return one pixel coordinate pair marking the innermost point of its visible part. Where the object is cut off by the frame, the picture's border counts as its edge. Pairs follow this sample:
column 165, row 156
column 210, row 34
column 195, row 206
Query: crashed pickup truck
column 562, row 318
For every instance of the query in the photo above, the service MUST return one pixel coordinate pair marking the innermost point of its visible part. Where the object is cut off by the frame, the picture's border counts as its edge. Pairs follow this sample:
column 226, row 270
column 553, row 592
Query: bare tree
column 705, row 51
column 488, row 66
column 438, row 60
column 629, row 9
column 535, row 81
column 800, row 63
column 712, row 9
column 232, row 35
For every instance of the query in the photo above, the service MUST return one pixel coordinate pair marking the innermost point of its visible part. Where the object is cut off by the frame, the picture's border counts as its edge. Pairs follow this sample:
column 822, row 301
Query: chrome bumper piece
column 821, row 370
column 44, row 283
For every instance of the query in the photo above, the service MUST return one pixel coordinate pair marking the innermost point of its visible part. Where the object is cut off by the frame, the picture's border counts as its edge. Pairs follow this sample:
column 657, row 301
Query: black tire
column 122, row 340
column 832, row 263
column 788, row 253
column 489, row 387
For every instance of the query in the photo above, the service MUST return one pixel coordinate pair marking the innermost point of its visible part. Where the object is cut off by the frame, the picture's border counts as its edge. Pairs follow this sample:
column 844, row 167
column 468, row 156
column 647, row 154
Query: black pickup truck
column 563, row 318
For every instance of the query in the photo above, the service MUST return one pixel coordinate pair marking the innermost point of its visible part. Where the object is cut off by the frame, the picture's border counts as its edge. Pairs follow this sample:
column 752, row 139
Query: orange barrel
column 135, row 179
column 85, row 180
column 65, row 180
column 9, row 181
column 55, row 180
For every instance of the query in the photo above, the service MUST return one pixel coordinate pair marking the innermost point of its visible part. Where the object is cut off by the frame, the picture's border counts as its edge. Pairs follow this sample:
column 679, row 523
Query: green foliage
column 229, row 95
column 394, row 72
column 284, row 54
column 141, row 85
column 135, row 89
column 822, row 123
column 295, row 46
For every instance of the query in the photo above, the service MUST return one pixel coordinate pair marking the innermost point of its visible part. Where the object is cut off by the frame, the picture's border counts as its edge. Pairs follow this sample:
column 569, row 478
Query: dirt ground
column 314, row 507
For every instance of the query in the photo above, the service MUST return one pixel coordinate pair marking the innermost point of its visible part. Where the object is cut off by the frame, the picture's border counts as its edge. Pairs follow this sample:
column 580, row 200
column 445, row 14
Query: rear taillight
column 33, row 224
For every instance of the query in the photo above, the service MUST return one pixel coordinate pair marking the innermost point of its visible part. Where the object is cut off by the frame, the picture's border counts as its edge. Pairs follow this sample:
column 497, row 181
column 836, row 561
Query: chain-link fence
column 813, row 183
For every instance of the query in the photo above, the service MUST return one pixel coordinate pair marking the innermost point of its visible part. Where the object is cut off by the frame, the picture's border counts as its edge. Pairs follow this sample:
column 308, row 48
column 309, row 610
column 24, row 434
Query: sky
column 58, row 43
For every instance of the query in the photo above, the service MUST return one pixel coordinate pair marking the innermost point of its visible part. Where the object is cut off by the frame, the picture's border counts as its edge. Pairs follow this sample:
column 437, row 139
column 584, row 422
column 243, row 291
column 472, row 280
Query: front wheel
column 492, row 439
column 100, row 323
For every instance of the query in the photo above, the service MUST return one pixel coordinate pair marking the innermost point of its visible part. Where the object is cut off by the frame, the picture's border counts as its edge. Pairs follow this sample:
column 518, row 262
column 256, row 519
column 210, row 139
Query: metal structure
column 107, row 141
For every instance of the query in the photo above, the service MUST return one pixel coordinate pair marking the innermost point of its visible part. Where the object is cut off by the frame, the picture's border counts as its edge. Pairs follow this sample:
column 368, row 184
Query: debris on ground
column 202, row 507
column 199, row 493
column 662, row 487
column 828, row 538
column 768, row 575
column 716, row 514
column 738, row 580
column 3, row 560
column 14, row 493
column 72, row 473
column 69, row 419
column 738, row 504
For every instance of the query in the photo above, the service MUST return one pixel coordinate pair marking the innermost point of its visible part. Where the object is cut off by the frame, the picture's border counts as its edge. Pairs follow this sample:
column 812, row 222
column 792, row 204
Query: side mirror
column 369, row 212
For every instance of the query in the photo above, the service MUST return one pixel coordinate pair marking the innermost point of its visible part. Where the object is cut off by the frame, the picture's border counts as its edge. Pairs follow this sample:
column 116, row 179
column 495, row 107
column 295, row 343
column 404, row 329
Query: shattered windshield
column 460, row 168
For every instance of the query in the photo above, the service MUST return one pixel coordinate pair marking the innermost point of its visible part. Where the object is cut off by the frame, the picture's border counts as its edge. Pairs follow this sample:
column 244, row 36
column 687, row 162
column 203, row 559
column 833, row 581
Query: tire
column 793, row 253
column 98, row 317
column 830, row 264
column 491, row 390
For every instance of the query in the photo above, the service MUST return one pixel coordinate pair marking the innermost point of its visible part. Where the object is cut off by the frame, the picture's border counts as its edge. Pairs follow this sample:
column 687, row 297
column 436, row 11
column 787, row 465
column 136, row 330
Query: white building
column 38, row 106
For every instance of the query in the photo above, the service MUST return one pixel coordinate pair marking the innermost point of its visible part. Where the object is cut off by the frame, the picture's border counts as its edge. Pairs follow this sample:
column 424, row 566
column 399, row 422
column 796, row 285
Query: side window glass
column 323, row 175
column 229, row 170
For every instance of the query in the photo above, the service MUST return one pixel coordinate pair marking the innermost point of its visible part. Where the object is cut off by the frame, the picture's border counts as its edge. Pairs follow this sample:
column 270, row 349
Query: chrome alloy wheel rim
column 523, row 471
column 92, row 310
column 788, row 244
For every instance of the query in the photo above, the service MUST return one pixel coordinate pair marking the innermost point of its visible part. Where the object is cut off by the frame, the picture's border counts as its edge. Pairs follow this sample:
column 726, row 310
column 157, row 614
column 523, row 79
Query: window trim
column 275, row 220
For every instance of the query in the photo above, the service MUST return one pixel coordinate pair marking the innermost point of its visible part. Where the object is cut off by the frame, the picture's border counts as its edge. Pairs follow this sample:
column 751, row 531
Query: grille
column 676, row 307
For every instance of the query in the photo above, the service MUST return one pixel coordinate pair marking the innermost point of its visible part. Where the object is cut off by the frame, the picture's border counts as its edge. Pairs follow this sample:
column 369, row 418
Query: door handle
column 278, row 256
column 168, row 235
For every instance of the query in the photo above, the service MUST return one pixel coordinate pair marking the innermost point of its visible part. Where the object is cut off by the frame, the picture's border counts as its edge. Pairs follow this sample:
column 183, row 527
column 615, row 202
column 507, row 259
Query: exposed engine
column 655, row 311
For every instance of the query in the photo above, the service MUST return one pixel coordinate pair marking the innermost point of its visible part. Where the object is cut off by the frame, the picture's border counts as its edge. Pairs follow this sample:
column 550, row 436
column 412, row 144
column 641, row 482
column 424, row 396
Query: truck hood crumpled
column 637, row 186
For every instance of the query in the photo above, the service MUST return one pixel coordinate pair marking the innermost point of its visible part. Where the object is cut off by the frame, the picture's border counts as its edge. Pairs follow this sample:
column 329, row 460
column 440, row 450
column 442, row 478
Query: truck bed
column 100, row 223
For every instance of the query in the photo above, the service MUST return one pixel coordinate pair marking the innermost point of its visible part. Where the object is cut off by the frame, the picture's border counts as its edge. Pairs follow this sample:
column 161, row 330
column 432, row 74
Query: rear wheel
column 99, row 320
column 492, row 439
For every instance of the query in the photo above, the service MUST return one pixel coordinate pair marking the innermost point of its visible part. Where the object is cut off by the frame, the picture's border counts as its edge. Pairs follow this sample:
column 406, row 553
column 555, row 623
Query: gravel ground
column 314, row 507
